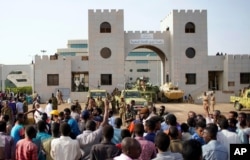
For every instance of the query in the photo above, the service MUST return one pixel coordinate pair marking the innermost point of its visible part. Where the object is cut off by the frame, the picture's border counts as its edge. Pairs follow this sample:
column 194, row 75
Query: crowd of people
column 94, row 132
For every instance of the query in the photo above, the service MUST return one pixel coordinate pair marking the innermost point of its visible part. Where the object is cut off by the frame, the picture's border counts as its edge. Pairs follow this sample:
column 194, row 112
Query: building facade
column 111, row 57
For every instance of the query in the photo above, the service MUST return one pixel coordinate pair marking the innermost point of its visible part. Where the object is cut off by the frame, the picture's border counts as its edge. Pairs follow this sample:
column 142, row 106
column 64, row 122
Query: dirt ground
column 179, row 109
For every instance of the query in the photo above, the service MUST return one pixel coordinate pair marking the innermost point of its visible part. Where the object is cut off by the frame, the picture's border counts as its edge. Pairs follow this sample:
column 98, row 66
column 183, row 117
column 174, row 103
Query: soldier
column 122, row 109
column 212, row 101
column 54, row 102
column 113, row 103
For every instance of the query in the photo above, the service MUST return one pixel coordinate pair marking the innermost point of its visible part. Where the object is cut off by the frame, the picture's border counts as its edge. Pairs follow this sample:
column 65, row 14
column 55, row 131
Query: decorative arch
column 190, row 27
column 105, row 27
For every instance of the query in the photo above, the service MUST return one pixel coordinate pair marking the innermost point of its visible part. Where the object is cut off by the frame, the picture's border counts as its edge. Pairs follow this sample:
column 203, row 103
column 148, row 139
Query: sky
column 29, row 26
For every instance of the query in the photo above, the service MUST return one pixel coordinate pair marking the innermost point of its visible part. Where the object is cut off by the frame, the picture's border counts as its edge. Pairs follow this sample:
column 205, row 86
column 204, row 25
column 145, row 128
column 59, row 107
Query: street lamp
column 43, row 51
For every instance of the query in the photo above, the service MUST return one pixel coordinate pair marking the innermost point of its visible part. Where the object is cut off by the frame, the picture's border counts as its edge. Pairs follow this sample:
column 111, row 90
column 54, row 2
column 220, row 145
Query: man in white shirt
column 213, row 149
column 65, row 148
column 38, row 112
column 226, row 137
column 48, row 108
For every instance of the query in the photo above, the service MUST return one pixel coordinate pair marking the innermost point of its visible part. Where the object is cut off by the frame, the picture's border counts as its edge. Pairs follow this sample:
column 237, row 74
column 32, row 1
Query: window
column 230, row 83
column 105, row 52
column 143, row 70
column 244, row 78
column 105, row 27
column 190, row 78
column 53, row 79
column 190, row 52
column 190, row 28
column 78, row 46
column 21, row 80
column 106, row 79
column 79, row 81
column 85, row 58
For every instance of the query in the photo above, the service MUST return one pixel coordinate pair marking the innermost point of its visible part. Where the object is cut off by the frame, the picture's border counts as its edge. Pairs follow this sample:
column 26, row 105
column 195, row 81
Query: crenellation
column 141, row 32
column 105, row 11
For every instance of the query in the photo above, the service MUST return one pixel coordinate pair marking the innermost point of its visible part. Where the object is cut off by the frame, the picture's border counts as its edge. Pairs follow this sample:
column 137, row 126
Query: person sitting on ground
column 192, row 150
column 162, row 142
column 131, row 149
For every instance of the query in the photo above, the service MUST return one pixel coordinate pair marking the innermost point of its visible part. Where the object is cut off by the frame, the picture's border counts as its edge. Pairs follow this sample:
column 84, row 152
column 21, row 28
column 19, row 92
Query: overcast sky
column 29, row 26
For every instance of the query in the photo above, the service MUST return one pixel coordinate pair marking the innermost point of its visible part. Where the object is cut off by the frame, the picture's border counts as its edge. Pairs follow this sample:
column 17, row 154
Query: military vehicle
column 171, row 93
column 132, row 94
column 147, row 90
column 241, row 101
column 95, row 93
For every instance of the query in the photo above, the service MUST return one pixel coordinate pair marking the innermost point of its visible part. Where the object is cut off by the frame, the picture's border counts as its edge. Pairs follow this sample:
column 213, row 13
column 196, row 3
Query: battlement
column 144, row 32
column 182, row 11
column 238, row 56
column 101, row 11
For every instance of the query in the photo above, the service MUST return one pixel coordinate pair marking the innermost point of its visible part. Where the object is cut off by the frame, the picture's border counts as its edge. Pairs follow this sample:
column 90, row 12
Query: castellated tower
column 188, row 47
column 106, row 48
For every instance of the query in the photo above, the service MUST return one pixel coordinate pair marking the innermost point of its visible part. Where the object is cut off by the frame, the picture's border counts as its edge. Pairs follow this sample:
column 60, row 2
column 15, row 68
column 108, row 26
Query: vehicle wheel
column 237, row 106
column 180, row 100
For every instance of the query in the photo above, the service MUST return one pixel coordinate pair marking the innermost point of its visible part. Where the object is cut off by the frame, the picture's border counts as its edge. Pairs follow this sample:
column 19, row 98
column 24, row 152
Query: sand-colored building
column 111, row 57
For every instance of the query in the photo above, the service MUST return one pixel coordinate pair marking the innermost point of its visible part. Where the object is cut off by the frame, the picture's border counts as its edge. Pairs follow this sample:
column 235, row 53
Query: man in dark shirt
column 106, row 149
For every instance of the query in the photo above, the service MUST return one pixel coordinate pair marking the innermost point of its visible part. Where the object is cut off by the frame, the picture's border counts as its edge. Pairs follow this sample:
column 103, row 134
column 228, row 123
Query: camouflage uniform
column 122, row 110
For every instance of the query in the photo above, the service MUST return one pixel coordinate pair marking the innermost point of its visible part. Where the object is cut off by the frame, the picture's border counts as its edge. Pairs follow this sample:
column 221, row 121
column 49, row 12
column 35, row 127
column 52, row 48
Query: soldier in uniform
column 122, row 109
column 212, row 101
column 54, row 102
column 113, row 103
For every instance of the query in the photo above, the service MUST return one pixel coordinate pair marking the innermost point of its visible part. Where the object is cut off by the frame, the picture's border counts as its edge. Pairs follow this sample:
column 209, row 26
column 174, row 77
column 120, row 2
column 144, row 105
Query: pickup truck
column 135, row 95
column 241, row 102
column 95, row 93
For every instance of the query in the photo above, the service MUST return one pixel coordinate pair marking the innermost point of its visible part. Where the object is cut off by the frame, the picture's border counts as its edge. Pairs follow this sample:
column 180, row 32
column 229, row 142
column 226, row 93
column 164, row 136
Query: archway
column 153, row 64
